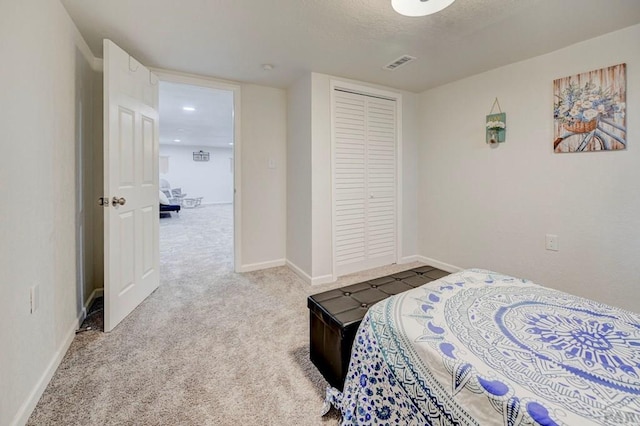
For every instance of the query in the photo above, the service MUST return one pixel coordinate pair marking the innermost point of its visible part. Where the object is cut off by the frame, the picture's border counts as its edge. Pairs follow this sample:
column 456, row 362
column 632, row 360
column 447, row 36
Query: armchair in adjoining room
column 175, row 195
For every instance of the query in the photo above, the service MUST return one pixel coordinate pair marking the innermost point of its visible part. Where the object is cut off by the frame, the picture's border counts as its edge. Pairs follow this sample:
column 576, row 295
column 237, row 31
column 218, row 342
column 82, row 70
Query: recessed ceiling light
column 188, row 108
column 230, row 143
column 419, row 7
column 177, row 140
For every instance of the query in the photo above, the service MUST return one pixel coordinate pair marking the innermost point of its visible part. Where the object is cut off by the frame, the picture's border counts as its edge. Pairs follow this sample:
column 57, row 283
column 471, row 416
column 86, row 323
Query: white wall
column 491, row 208
column 299, row 175
column 409, row 196
column 43, row 81
column 212, row 180
column 321, row 179
column 264, row 198
column 94, row 187
column 88, row 152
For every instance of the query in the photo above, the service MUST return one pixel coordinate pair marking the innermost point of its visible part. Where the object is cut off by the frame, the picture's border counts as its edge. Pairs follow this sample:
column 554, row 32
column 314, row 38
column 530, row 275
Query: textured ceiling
column 349, row 38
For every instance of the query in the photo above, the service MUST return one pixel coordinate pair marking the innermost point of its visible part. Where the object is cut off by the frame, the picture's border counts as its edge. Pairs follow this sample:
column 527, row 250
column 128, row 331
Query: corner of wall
column 298, row 179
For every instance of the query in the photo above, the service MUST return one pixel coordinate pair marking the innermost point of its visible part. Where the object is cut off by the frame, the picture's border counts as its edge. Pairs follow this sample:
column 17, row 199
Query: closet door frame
column 375, row 92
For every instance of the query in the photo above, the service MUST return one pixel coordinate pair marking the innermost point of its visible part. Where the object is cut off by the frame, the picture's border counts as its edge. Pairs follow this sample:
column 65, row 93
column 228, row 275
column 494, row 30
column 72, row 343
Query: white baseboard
column 322, row 279
column 299, row 272
column 261, row 265
column 410, row 259
column 22, row 416
column 25, row 410
column 215, row 203
column 437, row 264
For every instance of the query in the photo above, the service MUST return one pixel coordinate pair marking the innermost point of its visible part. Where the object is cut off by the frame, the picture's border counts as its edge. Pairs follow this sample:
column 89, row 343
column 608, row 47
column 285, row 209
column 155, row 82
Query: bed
column 165, row 205
column 480, row 348
column 168, row 208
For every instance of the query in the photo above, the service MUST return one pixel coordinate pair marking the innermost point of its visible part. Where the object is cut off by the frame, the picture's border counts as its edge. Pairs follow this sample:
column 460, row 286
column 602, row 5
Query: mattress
column 480, row 348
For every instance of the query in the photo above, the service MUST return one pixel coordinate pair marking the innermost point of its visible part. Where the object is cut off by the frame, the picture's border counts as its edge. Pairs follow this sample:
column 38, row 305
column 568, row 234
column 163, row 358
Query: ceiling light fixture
column 177, row 140
column 419, row 7
column 188, row 108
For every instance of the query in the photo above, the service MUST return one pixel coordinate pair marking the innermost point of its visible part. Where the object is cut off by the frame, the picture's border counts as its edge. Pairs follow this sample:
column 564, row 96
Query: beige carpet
column 209, row 347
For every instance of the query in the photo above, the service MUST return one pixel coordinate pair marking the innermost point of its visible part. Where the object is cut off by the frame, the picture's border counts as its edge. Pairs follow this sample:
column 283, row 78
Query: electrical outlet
column 34, row 298
column 551, row 242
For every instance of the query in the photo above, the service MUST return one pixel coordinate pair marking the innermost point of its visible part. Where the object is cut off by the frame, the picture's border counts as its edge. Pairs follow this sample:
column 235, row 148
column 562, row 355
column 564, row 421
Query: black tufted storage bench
column 336, row 314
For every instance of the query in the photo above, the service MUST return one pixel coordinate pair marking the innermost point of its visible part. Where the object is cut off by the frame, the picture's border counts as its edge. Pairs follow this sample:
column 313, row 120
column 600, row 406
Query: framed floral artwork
column 589, row 111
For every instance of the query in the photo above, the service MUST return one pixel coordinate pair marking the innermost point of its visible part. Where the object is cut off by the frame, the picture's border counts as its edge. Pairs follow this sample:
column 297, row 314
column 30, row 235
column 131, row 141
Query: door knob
column 121, row 201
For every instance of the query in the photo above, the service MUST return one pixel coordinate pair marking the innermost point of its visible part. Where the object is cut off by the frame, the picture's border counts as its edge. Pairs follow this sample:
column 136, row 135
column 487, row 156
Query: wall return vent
column 397, row 63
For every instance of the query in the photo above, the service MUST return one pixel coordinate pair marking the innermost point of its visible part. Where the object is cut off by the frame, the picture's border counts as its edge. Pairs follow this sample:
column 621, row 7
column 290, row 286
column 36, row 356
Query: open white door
column 131, row 251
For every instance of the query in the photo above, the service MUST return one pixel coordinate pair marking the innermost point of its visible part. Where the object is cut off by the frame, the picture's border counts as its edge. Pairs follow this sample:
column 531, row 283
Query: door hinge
column 103, row 201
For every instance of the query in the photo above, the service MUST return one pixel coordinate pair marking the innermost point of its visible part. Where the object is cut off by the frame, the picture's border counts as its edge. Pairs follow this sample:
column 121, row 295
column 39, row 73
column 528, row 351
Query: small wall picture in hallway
column 589, row 111
column 200, row 156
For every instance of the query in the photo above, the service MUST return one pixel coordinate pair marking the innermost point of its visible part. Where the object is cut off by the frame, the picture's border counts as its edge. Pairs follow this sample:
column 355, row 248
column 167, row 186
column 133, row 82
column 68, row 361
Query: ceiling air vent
column 402, row 60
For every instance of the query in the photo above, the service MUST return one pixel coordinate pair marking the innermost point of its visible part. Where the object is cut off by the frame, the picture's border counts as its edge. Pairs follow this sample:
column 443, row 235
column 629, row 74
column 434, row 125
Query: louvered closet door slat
column 349, row 178
column 381, row 179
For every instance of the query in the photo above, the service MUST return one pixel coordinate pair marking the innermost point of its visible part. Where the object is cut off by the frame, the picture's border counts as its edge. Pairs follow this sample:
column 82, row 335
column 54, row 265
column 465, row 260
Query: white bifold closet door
column 364, row 166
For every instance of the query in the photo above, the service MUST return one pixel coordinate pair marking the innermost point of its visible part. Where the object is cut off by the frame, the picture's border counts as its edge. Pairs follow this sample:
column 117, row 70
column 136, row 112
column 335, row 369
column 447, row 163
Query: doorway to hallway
column 196, row 175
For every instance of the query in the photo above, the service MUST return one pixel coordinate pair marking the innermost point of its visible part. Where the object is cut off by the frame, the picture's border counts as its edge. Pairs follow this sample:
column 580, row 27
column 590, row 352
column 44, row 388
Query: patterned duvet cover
column 480, row 348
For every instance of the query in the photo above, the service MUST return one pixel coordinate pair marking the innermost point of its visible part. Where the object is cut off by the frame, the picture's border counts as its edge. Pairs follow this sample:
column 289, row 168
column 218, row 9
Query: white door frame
column 197, row 80
column 367, row 91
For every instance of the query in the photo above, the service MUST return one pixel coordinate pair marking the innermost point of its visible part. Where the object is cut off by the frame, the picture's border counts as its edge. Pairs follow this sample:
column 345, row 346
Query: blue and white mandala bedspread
column 479, row 348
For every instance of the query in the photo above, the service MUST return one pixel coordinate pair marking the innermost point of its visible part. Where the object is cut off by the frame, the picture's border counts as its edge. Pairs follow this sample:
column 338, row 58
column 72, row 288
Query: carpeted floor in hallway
column 208, row 347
